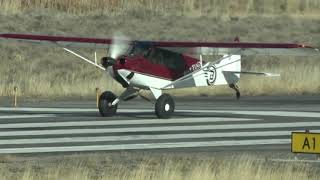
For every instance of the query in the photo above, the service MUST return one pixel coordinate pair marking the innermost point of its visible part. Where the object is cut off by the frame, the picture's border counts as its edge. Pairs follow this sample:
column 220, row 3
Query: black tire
column 164, row 106
column 105, row 100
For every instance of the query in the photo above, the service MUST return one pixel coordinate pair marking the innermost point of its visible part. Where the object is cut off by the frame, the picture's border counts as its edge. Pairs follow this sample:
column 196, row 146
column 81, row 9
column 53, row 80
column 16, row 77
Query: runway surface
column 199, row 124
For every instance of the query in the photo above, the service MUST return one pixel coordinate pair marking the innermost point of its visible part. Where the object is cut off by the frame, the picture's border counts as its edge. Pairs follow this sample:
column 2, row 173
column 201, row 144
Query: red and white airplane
column 160, row 65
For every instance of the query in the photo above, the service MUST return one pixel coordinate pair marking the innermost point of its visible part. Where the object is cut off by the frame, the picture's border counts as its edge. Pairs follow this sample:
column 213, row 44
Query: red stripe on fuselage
column 144, row 66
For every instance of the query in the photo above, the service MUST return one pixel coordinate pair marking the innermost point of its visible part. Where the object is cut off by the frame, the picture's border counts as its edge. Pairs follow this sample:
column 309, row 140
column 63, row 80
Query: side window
column 174, row 61
column 159, row 58
column 167, row 58
column 152, row 56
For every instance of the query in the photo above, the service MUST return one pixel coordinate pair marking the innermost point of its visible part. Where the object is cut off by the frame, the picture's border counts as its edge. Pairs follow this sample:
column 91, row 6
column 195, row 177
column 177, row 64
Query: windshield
column 136, row 51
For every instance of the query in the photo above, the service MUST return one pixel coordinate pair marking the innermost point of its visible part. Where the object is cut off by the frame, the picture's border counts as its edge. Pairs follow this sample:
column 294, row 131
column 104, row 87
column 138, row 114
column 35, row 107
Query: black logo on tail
column 211, row 74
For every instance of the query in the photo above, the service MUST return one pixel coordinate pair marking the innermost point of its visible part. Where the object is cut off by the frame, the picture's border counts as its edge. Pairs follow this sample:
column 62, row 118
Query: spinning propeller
column 118, row 47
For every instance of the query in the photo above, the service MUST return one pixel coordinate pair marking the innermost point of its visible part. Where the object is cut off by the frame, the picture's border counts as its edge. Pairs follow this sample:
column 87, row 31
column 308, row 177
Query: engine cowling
column 107, row 61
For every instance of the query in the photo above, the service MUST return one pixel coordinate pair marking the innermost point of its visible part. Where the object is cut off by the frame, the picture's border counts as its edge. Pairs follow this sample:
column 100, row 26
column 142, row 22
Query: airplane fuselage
column 156, row 68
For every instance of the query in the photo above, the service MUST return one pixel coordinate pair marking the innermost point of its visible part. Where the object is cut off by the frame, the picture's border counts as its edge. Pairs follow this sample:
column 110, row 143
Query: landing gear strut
column 105, row 104
column 164, row 106
column 236, row 88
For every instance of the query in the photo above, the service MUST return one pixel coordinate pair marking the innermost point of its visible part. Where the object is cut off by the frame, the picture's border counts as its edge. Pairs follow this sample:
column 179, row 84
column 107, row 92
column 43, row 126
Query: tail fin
column 228, row 64
column 228, row 70
column 225, row 71
column 212, row 73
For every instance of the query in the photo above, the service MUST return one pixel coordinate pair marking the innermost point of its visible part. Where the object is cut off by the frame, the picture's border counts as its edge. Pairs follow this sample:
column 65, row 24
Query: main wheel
column 164, row 106
column 105, row 107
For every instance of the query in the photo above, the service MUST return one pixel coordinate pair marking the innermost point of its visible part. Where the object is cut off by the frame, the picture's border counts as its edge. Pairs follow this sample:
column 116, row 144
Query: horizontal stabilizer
column 254, row 73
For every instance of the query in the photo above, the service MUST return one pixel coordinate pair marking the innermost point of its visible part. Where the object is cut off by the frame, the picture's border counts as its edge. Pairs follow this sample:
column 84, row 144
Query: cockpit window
column 164, row 57
column 136, row 51
column 168, row 58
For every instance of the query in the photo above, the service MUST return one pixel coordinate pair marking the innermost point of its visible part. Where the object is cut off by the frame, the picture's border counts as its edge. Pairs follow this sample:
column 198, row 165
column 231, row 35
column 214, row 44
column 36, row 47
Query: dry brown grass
column 178, row 7
column 49, row 72
column 70, row 77
column 51, row 78
column 168, row 167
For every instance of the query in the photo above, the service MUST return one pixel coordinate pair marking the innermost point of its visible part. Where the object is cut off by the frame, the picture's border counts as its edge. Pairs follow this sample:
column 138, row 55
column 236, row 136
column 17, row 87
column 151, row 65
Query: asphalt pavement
column 200, row 124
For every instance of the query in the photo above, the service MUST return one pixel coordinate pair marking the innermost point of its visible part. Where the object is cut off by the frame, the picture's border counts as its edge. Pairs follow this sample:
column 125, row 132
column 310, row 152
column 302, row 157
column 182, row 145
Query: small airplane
column 160, row 65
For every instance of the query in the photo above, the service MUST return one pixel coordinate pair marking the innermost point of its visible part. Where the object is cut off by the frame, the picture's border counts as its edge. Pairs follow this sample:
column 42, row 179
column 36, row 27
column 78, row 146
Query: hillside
column 191, row 8
column 43, row 71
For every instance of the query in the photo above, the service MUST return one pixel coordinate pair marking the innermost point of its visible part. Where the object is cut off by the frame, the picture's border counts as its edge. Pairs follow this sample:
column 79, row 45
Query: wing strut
column 201, row 61
column 85, row 59
column 95, row 57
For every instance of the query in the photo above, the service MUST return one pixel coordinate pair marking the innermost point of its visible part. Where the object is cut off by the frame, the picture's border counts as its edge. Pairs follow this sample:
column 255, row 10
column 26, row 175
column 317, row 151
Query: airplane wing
column 239, row 48
column 194, row 48
column 64, row 41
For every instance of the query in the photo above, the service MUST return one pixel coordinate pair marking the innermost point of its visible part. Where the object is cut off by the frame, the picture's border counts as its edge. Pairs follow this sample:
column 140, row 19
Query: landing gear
column 108, row 102
column 164, row 106
column 236, row 88
column 105, row 104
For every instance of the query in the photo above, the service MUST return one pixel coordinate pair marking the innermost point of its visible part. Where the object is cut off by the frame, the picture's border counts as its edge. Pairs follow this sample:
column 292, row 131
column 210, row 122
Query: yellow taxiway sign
column 305, row 142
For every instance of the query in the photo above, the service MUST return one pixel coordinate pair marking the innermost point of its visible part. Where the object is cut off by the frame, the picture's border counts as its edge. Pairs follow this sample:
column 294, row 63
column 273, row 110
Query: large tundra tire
column 164, row 106
column 105, row 107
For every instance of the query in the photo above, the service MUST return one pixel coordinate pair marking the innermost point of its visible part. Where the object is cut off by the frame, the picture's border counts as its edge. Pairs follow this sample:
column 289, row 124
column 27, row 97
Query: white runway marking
column 145, row 133
column 124, row 122
column 145, row 137
column 268, row 113
column 63, row 110
column 259, row 113
column 26, row 116
column 160, row 129
column 146, row 146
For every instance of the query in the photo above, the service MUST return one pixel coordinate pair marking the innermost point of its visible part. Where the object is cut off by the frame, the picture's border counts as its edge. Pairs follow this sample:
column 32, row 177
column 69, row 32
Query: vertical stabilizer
column 229, row 63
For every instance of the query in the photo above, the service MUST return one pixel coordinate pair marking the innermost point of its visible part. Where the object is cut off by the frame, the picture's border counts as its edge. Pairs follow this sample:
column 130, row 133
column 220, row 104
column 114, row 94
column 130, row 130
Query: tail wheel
column 105, row 107
column 164, row 106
